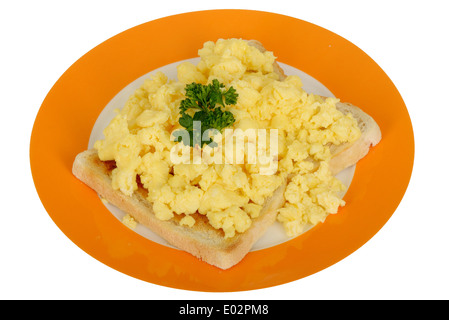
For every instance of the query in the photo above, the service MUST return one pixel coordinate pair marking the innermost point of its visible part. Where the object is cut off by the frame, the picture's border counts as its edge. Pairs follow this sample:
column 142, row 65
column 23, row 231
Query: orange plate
column 67, row 115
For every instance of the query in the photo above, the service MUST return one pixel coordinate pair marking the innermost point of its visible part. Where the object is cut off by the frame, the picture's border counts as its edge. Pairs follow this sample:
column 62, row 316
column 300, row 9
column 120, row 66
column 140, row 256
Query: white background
column 407, row 259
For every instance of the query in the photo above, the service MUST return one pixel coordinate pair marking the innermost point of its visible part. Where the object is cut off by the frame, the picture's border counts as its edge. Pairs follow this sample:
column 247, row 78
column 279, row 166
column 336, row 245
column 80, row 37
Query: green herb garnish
column 205, row 100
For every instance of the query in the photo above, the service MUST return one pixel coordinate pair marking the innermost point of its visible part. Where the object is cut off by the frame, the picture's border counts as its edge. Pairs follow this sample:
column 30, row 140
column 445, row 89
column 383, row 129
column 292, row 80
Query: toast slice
column 202, row 240
column 346, row 154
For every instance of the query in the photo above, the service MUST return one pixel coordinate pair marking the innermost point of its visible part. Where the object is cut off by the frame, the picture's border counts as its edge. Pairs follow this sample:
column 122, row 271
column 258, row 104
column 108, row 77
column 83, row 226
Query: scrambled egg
column 230, row 195
column 129, row 221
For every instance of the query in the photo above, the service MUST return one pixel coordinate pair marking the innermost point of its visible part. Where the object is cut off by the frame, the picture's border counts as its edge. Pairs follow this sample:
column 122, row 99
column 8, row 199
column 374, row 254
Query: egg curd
column 139, row 140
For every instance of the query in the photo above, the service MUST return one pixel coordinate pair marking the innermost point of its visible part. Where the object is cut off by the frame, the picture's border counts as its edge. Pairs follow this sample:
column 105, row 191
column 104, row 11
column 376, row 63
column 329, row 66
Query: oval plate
column 69, row 111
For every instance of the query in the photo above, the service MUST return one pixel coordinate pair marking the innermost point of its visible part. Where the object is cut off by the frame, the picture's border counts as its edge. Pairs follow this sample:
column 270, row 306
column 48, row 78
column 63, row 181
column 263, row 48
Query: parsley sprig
column 206, row 102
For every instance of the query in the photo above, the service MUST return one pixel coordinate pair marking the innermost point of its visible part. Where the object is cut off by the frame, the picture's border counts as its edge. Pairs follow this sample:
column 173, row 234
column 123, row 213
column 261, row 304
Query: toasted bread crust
column 347, row 154
column 276, row 67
